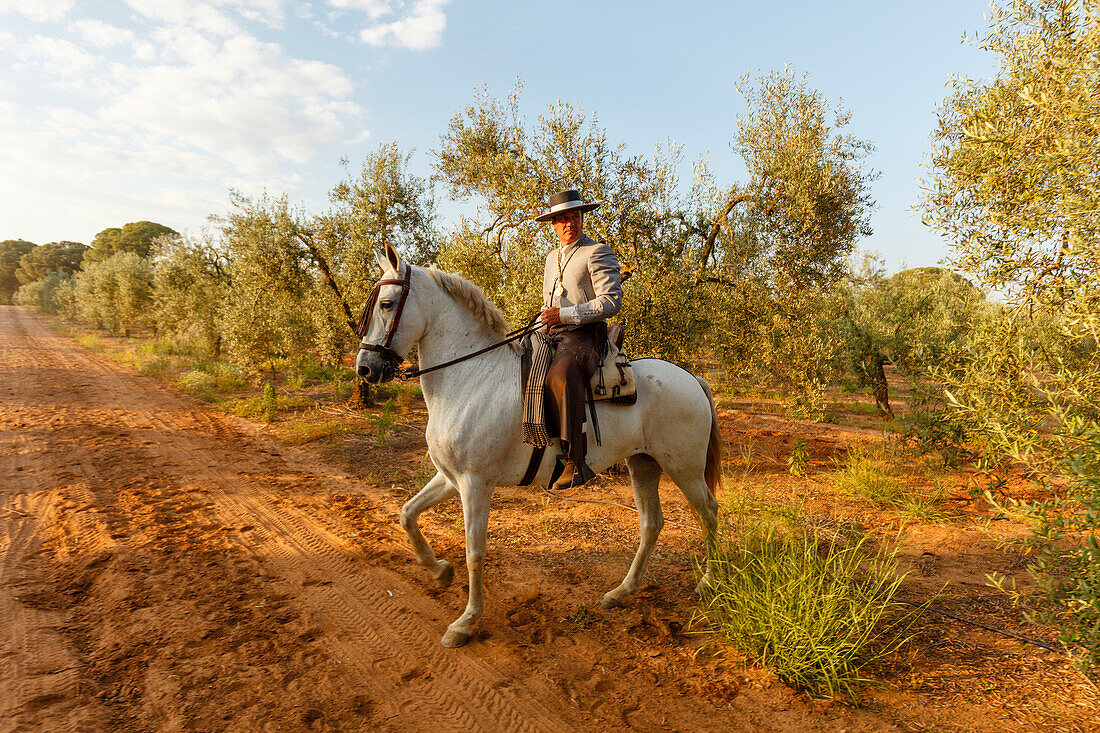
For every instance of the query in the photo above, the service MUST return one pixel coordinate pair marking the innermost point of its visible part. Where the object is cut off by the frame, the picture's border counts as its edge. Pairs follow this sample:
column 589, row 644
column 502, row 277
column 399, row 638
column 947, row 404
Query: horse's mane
column 472, row 298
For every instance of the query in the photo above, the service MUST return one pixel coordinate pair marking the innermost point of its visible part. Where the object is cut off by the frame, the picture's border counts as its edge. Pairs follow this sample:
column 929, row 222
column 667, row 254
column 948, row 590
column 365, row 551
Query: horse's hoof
column 610, row 602
column 455, row 639
column 701, row 589
column 445, row 574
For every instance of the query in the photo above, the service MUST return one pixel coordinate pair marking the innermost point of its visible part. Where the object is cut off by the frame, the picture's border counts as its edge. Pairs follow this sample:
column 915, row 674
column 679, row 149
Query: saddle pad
column 613, row 379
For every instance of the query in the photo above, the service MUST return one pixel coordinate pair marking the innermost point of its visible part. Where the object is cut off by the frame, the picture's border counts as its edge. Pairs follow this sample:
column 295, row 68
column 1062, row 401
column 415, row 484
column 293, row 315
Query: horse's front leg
column 476, row 495
column 435, row 491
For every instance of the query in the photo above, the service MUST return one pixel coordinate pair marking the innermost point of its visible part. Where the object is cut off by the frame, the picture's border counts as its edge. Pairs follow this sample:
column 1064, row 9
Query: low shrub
column 159, row 367
column 814, row 608
column 173, row 347
column 269, row 406
column 384, row 421
column 198, row 384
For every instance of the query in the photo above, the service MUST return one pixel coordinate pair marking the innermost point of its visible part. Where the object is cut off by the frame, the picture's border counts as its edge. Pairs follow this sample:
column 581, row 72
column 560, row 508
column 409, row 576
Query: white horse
column 474, row 416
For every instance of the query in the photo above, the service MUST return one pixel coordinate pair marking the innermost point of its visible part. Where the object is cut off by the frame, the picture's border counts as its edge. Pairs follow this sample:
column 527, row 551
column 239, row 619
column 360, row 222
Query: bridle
column 391, row 357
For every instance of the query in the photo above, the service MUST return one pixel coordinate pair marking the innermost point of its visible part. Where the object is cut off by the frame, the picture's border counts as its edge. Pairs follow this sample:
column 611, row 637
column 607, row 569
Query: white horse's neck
column 453, row 331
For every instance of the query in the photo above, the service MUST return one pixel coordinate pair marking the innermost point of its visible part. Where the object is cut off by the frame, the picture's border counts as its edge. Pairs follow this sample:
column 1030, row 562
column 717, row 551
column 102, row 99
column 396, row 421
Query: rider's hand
column 551, row 317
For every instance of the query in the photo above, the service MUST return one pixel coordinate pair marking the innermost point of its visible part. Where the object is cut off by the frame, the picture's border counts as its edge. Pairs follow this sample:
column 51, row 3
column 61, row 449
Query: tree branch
column 323, row 264
column 708, row 243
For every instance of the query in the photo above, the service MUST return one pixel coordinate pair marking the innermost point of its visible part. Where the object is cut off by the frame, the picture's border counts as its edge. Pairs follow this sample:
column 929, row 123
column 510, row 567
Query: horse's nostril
column 363, row 371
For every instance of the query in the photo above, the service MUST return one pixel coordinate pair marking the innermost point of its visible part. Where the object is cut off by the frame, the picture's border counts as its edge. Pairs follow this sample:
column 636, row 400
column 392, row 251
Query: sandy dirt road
column 166, row 567
column 151, row 576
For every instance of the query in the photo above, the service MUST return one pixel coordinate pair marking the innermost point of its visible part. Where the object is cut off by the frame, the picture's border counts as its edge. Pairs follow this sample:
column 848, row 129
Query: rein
column 411, row 372
column 406, row 373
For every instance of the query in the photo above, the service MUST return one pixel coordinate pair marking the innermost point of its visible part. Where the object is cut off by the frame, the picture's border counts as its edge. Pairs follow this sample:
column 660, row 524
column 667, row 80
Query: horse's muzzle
column 374, row 368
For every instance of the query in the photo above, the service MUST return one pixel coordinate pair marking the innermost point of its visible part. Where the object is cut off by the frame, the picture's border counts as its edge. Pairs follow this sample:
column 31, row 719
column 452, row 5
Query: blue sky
column 153, row 109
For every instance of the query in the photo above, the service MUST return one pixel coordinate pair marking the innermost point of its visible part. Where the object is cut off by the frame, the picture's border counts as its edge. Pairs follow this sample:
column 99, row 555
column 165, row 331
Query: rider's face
column 567, row 226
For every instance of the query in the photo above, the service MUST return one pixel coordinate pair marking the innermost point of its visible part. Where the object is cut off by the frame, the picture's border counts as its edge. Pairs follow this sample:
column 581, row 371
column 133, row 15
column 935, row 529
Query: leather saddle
column 613, row 378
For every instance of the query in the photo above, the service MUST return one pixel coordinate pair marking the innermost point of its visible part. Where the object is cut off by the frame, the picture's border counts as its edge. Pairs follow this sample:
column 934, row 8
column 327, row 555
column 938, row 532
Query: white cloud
column 240, row 100
column 144, row 51
column 422, row 27
column 185, row 13
column 65, row 65
column 268, row 12
column 215, row 16
column 100, row 34
column 197, row 106
column 38, row 10
column 373, row 8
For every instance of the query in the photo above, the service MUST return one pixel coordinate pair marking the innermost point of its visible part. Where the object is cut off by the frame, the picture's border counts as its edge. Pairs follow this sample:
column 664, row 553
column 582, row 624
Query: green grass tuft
column 869, row 473
column 299, row 432
column 816, row 610
column 90, row 342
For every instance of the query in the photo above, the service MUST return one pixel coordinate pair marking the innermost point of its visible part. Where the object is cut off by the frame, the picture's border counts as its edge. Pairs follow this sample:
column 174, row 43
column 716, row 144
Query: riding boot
column 570, row 477
column 582, row 473
column 566, row 479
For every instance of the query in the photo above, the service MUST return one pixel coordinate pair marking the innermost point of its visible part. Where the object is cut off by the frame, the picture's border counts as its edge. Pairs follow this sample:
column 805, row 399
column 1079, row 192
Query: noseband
column 388, row 354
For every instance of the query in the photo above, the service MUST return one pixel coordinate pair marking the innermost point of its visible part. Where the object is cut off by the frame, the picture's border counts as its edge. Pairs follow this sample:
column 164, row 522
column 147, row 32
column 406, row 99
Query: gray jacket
column 591, row 282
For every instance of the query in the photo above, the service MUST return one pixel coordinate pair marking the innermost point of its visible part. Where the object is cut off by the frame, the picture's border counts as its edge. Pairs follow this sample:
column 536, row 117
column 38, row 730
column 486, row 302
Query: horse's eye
column 385, row 305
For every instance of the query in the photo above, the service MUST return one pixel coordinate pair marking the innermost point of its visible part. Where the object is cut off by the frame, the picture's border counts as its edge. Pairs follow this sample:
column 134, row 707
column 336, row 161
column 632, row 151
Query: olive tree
column 267, row 312
column 807, row 196
column 191, row 279
column 310, row 273
column 50, row 294
column 782, row 238
column 914, row 320
column 1016, row 186
column 115, row 294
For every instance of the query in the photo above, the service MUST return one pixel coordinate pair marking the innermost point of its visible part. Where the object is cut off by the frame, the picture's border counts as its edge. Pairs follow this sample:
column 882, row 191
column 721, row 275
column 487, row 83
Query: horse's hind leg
column 645, row 474
column 433, row 492
column 705, row 505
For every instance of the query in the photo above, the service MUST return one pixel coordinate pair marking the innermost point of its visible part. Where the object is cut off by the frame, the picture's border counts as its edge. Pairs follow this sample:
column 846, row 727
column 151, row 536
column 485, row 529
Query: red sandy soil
column 167, row 567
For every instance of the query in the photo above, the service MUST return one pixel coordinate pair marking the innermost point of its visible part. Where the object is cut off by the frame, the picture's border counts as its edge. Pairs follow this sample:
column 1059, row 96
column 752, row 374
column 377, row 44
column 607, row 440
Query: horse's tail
column 712, row 473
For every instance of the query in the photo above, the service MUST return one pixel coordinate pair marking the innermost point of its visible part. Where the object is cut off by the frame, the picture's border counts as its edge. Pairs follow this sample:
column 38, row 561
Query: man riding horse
column 581, row 289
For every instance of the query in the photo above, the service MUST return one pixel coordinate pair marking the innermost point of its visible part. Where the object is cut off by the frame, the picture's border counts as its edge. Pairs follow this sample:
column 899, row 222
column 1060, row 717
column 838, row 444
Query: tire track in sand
column 39, row 670
column 375, row 628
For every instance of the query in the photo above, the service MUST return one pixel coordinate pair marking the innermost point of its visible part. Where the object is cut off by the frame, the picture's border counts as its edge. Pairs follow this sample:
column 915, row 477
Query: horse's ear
column 393, row 257
column 380, row 260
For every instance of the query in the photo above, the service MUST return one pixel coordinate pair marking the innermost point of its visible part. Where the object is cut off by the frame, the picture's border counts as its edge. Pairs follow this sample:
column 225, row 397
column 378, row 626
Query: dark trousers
column 575, row 358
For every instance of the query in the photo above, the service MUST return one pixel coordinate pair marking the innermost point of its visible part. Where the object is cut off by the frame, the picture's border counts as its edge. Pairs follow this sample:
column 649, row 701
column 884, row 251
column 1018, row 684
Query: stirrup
column 581, row 475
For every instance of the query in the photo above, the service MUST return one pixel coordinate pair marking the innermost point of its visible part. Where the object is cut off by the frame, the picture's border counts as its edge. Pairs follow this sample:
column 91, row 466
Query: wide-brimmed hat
column 564, row 201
